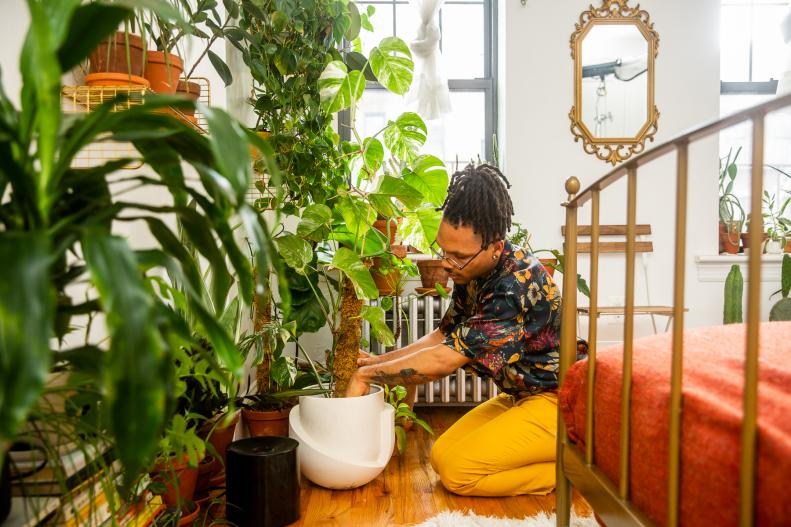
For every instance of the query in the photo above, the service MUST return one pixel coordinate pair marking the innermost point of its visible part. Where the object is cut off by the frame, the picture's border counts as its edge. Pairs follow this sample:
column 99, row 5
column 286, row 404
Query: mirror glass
column 614, row 80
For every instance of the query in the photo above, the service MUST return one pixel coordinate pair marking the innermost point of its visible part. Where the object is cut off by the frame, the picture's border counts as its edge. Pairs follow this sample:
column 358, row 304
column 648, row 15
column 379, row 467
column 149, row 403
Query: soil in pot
column 114, row 49
column 432, row 272
column 162, row 73
column 179, row 480
column 266, row 423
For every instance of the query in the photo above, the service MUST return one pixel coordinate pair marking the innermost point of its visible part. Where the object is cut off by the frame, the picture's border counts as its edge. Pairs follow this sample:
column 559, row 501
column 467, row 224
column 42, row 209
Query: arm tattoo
column 405, row 376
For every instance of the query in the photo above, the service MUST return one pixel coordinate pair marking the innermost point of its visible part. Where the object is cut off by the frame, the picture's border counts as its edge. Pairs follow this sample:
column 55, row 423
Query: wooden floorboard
column 409, row 491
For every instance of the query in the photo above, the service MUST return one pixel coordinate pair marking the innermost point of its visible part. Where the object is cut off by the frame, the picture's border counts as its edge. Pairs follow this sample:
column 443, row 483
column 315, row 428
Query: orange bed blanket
column 711, row 423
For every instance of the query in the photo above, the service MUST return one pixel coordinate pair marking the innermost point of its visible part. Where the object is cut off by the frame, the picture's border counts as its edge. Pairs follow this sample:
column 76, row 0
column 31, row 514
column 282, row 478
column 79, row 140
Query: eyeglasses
column 439, row 253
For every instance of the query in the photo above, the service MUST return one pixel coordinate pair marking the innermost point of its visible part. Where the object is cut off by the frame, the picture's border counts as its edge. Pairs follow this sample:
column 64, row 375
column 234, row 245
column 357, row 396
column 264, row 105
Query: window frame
column 486, row 84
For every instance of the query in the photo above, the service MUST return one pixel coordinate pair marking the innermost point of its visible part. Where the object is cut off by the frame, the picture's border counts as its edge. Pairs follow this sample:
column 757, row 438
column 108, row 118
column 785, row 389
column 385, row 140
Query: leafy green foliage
column 381, row 331
column 395, row 397
column 354, row 268
column 392, row 64
column 56, row 238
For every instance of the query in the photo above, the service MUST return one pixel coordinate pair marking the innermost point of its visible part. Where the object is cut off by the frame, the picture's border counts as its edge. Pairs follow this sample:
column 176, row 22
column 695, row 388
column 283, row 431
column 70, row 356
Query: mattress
column 713, row 376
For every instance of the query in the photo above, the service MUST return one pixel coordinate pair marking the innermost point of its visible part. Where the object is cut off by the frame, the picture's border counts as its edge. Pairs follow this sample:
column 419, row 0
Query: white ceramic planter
column 774, row 247
column 343, row 442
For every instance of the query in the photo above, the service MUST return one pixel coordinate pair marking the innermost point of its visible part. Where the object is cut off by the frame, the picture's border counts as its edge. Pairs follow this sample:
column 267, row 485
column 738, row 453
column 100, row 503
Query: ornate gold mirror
column 614, row 48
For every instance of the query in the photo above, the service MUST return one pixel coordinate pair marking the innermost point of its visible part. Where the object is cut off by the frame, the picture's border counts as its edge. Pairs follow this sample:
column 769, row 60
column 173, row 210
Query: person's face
column 462, row 248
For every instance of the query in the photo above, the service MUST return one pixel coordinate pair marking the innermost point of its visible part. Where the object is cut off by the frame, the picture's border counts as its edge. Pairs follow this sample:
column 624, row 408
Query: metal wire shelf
column 83, row 99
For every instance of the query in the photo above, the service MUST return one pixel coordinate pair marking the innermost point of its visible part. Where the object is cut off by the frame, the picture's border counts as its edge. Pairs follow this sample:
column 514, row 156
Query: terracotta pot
column 164, row 78
column 221, row 436
column 207, row 469
column 381, row 226
column 432, row 272
column 787, row 248
column 117, row 55
column 274, row 423
column 745, row 237
column 211, row 506
column 729, row 239
column 115, row 79
column 548, row 264
column 189, row 519
column 169, row 473
column 190, row 90
column 388, row 284
column 254, row 153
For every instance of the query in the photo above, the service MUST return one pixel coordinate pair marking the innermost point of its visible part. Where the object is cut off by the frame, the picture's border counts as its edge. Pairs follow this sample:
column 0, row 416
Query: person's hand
column 365, row 359
column 357, row 387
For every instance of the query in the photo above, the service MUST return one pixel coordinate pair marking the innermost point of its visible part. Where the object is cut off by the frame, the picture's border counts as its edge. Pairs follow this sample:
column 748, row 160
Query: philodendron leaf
column 347, row 261
column 335, row 90
column 379, row 329
column 393, row 187
column 429, row 175
column 296, row 252
column 284, row 372
column 315, row 222
column 405, row 135
column 373, row 154
column 27, row 307
column 420, row 227
column 356, row 214
column 391, row 62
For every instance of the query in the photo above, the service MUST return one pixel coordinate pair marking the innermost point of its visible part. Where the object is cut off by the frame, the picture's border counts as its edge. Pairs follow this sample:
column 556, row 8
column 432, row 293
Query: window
column 752, row 56
column 469, row 60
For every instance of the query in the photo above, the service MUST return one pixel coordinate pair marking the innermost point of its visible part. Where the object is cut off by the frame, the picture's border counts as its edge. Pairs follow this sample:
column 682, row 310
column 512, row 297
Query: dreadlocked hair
column 478, row 198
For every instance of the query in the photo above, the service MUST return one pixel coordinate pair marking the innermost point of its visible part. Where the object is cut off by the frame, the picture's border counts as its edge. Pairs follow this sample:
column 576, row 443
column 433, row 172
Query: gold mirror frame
column 610, row 149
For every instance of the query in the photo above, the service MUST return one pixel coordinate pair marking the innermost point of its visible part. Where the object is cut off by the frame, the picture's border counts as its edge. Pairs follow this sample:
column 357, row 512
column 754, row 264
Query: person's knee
column 452, row 473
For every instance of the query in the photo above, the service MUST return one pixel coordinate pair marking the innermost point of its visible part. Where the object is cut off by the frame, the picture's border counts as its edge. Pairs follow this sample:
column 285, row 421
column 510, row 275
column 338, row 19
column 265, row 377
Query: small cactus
column 734, row 288
column 781, row 310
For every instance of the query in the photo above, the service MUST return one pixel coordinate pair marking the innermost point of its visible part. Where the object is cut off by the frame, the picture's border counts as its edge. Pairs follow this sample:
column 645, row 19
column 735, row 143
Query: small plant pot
column 388, row 283
column 271, row 423
column 549, row 264
column 115, row 48
column 162, row 73
column 171, row 473
column 115, row 79
column 208, row 468
column 211, row 505
column 433, row 272
column 221, row 436
column 188, row 518
column 774, row 247
column 745, row 236
column 254, row 153
column 729, row 238
column 190, row 90
column 381, row 226
column 787, row 248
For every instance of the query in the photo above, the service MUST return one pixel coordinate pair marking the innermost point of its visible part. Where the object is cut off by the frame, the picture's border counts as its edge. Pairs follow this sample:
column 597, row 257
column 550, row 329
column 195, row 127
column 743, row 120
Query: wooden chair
column 642, row 246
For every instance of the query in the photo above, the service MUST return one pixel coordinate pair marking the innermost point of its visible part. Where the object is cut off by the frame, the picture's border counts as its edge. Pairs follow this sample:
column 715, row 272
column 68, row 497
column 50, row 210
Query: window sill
column 715, row 268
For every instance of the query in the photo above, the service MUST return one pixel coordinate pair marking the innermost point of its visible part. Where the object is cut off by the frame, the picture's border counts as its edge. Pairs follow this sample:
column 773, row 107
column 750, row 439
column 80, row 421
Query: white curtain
column 784, row 86
column 429, row 87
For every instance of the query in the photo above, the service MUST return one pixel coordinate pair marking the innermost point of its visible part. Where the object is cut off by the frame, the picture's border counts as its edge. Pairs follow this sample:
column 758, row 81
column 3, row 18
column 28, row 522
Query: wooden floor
column 409, row 491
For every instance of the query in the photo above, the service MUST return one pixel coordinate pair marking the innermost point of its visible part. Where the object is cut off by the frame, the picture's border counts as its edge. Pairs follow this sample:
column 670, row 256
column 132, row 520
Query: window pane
column 463, row 40
column 459, row 133
column 735, row 44
column 407, row 20
column 768, row 46
column 382, row 20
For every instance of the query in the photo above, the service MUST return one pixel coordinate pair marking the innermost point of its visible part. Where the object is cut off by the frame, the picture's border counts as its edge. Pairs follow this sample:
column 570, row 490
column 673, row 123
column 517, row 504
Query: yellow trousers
column 504, row 447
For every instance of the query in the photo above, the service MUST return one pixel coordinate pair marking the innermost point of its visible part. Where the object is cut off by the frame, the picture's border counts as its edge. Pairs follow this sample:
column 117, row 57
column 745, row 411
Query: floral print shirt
column 508, row 323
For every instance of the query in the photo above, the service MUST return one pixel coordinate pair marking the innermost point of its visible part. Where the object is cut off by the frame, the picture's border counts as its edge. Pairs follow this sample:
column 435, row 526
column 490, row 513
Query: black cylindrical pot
column 262, row 482
column 5, row 489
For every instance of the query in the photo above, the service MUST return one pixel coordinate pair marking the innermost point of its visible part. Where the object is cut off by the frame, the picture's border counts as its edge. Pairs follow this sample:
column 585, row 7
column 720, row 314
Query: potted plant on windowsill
column 731, row 213
column 778, row 227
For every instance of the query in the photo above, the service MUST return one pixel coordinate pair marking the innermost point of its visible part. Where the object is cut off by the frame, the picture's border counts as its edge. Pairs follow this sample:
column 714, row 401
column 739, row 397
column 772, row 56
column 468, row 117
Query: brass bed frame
column 577, row 467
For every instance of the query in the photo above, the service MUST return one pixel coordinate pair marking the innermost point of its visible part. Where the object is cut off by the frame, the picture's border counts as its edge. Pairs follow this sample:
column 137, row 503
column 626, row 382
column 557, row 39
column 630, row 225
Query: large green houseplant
column 56, row 233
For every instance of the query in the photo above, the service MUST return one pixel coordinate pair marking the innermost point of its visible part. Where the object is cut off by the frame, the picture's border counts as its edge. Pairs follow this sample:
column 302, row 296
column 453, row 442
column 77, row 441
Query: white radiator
column 418, row 317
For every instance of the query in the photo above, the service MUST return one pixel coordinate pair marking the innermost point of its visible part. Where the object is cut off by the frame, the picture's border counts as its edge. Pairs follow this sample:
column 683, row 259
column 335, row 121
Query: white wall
column 540, row 154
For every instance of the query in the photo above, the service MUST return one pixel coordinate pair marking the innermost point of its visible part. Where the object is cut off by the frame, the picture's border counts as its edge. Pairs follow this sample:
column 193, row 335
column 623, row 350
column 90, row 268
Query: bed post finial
column 572, row 187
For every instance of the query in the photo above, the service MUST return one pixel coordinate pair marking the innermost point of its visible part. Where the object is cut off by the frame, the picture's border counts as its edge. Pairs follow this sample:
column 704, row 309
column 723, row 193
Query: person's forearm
column 427, row 364
column 427, row 341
